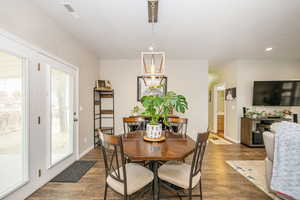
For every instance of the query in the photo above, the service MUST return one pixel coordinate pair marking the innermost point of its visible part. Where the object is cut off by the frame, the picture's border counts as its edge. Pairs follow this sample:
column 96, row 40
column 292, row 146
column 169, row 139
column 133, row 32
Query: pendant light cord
column 152, row 36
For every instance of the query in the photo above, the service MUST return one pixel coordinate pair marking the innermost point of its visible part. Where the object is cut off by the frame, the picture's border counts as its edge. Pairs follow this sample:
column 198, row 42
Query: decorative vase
column 154, row 131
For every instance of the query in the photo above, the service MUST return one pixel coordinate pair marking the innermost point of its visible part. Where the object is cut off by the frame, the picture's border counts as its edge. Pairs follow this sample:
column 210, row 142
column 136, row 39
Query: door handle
column 75, row 119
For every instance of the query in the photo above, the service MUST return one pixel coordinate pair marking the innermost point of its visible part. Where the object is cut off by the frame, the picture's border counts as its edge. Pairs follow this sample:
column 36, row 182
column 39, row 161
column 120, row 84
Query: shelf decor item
column 279, row 114
column 103, row 85
column 157, row 107
column 253, row 114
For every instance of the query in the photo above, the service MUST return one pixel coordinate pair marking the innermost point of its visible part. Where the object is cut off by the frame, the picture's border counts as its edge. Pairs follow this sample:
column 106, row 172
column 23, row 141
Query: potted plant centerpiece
column 157, row 107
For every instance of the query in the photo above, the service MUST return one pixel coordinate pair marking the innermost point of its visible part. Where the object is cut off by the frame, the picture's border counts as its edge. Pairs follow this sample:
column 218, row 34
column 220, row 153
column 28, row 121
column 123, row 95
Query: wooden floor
column 221, row 133
column 220, row 181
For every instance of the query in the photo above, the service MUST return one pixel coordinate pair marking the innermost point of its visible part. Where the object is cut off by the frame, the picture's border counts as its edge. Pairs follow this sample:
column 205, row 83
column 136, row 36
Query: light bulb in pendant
column 151, row 48
column 152, row 69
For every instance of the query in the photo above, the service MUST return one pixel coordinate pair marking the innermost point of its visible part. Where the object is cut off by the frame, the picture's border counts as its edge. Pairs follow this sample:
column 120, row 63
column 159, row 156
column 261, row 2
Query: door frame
column 49, row 63
column 215, row 108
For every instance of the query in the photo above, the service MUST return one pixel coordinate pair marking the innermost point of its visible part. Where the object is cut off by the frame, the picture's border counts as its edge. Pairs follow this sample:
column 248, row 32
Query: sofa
column 269, row 140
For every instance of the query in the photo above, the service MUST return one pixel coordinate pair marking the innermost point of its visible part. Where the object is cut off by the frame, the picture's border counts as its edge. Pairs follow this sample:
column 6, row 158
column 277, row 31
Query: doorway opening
column 219, row 109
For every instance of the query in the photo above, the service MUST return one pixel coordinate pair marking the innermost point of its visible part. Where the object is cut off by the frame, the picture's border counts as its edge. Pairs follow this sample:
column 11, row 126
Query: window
column 61, row 115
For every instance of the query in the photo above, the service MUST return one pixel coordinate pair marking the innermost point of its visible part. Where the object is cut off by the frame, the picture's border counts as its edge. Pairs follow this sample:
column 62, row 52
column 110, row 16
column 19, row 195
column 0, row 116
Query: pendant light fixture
column 152, row 62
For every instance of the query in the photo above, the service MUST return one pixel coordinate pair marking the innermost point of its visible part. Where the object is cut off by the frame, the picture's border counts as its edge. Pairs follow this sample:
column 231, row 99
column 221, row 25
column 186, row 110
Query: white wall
column 242, row 74
column 189, row 78
column 28, row 22
column 262, row 70
column 31, row 24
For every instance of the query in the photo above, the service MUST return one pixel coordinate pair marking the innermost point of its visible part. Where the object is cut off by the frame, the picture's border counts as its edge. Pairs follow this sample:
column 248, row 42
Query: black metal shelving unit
column 101, row 113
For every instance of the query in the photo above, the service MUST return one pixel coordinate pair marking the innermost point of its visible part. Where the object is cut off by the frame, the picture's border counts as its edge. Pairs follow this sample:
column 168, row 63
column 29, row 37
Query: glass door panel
column 61, row 114
column 13, row 134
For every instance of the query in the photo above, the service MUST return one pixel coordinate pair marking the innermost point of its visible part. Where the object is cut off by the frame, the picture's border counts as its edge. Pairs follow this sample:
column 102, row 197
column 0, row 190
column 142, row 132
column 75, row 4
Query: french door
column 59, row 86
column 38, row 105
column 62, row 111
column 14, row 117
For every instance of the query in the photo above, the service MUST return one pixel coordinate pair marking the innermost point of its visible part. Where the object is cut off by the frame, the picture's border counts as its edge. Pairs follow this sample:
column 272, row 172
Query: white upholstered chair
column 124, row 178
column 184, row 175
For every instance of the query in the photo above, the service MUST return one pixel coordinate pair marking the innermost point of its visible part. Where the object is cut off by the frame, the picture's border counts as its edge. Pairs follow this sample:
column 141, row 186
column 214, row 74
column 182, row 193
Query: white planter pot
column 154, row 131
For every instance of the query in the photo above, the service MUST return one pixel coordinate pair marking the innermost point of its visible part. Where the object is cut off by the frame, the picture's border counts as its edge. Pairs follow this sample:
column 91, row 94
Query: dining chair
column 131, row 124
column 183, row 175
column 124, row 178
column 178, row 125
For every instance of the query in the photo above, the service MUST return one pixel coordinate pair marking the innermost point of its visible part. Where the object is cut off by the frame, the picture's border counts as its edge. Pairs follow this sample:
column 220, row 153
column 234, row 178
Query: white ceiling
column 187, row 29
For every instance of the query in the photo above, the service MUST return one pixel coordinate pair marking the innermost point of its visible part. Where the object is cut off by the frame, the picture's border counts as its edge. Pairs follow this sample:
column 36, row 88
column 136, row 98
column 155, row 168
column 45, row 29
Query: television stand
column 252, row 130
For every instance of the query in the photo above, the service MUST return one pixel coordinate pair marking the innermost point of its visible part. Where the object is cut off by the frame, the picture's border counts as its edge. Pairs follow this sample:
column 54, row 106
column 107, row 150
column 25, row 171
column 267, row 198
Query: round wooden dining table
column 174, row 147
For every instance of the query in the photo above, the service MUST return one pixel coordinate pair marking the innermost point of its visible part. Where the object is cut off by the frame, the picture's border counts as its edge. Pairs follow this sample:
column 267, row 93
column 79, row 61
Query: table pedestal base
column 154, row 165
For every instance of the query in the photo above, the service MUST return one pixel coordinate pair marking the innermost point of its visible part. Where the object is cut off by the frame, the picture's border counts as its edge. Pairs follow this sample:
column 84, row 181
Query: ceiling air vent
column 70, row 9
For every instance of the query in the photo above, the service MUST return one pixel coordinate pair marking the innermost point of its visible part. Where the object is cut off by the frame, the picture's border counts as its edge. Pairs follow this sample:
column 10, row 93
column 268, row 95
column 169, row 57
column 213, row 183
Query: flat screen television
column 276, row 93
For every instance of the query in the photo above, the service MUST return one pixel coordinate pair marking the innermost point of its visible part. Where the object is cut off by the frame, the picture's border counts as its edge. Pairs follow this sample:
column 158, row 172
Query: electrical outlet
column 40, row 172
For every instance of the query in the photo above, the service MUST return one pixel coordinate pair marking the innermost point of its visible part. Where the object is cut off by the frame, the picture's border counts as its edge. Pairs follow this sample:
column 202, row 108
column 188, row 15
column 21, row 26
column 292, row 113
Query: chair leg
column 105, row 191
column 200, row 188
column 190, row 194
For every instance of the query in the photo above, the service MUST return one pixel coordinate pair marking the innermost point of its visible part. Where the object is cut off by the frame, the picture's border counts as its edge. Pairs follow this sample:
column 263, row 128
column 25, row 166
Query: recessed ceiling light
column 269, row 49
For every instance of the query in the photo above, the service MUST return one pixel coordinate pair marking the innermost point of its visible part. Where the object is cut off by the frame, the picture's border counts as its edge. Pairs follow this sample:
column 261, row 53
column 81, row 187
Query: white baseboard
column 86, row 151
column 232, row 140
